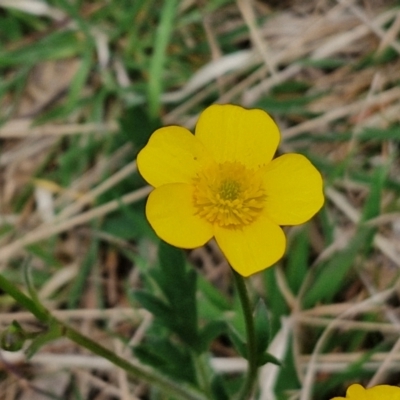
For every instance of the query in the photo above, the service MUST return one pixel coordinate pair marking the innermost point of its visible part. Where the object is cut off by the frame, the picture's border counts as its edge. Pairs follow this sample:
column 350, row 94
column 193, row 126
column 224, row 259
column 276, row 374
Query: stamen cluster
column 228, row 194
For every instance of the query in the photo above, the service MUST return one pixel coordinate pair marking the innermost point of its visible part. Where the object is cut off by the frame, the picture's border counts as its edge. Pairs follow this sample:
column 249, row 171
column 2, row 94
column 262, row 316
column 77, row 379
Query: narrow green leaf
column 292, row 105
column 262, row 328
column 181, row 324
column 172, row 264
column 78, row 287
column 276, row 302
column 371, row 207
column 154, row 305
column 179, row 287
column 168, row 358
column 238, row 342
column 392, row 133
column 298, row 260
column 163, row 35
column 80, row 78
column 213, row 295
column 60, row 44
column 268, row 358
column 218, row 388
column 331, row 274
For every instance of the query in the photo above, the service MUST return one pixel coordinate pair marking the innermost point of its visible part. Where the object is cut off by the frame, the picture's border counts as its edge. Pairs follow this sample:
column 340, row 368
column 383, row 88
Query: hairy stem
column 251, row 375
column 179, row 390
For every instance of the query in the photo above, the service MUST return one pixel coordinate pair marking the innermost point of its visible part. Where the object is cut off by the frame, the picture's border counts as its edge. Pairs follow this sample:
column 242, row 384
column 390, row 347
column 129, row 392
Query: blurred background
column 83, row 84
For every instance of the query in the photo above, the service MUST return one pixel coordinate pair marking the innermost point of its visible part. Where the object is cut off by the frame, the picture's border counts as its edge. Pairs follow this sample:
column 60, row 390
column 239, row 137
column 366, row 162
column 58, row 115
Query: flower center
column 229, row 190
column 229, row 194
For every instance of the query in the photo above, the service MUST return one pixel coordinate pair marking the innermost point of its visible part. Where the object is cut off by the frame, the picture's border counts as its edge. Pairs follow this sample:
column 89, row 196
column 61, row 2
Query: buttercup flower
column 381, row 392
column 222, row 182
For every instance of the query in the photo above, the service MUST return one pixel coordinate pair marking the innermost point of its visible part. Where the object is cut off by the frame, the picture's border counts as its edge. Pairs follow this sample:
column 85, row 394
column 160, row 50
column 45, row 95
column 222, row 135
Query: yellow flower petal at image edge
column 380, row 392
column 222, row 182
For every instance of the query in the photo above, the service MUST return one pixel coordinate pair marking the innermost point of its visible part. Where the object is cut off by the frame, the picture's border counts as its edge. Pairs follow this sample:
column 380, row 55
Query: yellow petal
column 294, row 190
column 253, row 247
column 380, row 392
column 356, row 392
column 383, row 392
column 232, row 133
column 172, row 155
column 171, row 213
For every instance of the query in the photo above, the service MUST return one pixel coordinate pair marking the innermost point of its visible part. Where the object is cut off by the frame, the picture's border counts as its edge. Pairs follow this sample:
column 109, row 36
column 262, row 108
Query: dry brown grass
column 265, row 55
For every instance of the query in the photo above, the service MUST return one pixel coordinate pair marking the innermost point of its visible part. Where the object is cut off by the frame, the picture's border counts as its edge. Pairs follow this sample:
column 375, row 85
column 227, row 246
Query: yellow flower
column 222, row 183
column 381, row 392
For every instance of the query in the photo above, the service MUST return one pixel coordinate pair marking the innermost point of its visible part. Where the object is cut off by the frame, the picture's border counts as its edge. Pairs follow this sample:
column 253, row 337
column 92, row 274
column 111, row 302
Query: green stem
column 138, row 371
column 251, row 376
column 37, row 310
column 151, row 377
